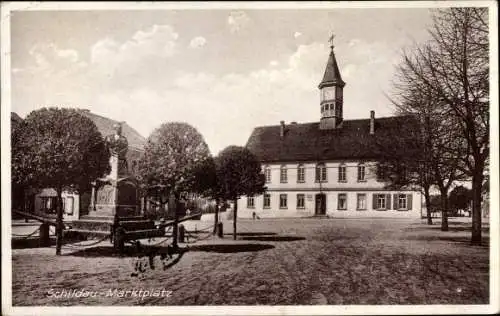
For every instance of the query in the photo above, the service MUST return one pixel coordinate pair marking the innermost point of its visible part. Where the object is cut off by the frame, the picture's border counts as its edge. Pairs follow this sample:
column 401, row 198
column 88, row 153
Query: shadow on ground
column 24, row 243
column 273, row 238
column 251, row 234
column 230, row 248
column 459, row 228
column 110, row 251
column 34, row 242
column 465, row 240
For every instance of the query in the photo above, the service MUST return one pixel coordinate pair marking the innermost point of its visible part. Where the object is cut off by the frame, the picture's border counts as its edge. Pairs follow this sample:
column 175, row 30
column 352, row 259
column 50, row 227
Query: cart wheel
column 119, row 239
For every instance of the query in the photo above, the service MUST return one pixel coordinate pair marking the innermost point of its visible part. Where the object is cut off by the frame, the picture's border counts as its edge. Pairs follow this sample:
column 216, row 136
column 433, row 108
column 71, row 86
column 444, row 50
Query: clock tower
column 331, row 94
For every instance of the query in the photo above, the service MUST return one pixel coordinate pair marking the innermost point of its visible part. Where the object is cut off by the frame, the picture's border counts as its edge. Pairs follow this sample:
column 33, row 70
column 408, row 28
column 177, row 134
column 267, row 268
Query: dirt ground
column 273, row 262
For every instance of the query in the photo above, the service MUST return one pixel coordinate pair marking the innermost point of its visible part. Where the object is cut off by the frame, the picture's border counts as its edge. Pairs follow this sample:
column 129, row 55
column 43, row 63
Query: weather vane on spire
column 331, row 40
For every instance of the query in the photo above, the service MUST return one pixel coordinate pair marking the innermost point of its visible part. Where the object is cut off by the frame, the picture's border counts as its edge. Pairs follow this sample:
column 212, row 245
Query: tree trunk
column 235, row 201
column 428, row 205
column 477, row 185
column 173, row 202
column 444, row 210
column 59, row 222
column 216, row 217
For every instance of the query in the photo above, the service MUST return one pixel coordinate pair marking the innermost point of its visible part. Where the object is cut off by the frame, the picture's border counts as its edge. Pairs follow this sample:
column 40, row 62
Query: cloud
column 297, row 34
column 157, row 41
column 237, row 20
column 47, row 55
column 197, row 42
column 223, row 107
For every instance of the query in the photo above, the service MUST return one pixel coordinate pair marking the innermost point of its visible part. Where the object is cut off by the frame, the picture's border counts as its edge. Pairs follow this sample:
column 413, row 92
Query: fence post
column 182, row 232
column 220, row 232
column 44, row 235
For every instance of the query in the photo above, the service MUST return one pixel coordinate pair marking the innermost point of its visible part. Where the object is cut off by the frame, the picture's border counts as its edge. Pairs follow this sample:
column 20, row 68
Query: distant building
column 327, row 167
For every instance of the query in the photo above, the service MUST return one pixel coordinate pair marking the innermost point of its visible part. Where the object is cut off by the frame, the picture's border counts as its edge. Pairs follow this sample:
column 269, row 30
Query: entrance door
column 320, row 208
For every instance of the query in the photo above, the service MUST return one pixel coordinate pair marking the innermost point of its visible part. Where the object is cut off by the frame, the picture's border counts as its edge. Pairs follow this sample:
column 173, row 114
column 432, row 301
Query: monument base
column 115, row 198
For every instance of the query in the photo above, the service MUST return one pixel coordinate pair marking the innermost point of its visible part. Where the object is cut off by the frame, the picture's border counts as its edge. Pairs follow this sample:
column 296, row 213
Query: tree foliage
column 61, row 149
column 460, row 197
column 175, row 157
column 58, row 148
column 238, row 173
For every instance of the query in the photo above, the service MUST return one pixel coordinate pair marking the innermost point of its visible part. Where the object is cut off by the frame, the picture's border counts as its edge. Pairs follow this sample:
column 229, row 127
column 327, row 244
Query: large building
column 328, row 168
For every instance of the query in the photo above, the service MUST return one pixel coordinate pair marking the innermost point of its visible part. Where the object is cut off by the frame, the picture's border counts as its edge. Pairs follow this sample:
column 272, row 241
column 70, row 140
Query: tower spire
column 331, row 93
column 332, row 75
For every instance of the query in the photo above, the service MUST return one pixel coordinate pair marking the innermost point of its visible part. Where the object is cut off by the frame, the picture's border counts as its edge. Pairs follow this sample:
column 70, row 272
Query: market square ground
column 277, row 262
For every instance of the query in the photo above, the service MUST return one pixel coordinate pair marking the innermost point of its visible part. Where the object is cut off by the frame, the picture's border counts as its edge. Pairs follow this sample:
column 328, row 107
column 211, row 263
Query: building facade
column 328, row 168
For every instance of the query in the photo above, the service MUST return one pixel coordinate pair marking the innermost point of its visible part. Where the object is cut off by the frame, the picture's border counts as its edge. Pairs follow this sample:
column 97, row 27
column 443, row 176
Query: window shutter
column 374, row 201
column 409, row 201
column 388, row 202
column 396, row 201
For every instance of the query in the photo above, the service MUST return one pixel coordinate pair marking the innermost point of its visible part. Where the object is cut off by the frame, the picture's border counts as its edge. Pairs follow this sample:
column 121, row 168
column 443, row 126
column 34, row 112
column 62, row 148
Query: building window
column 283, row 201
column 300, row 201
column 381, row 201
column 48, row 204
column 342, row 201
column 267, row 201
column 361, row 201
column 283, row 174
column 321, row 173
column 267, row 173
column 361, row 172
column 342, row 173
column 250, row 202
column 301, row 174
column 68, row 205
column 402, row 202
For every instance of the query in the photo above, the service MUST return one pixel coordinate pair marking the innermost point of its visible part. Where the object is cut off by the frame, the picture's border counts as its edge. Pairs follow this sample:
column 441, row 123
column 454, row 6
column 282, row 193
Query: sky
column 223, row 71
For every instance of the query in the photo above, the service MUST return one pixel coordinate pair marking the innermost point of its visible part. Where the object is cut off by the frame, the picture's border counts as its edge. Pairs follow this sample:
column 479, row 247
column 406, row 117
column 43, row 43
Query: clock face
column 329, row 94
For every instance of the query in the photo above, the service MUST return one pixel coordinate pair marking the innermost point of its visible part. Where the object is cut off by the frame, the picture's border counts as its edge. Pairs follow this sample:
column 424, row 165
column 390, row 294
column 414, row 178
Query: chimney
column 372, row 122
column 282, row 129
column 293, row 123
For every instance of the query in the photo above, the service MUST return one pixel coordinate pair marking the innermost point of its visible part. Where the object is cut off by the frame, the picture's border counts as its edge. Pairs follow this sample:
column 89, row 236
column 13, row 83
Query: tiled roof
column 306, row 142
column 105, row 126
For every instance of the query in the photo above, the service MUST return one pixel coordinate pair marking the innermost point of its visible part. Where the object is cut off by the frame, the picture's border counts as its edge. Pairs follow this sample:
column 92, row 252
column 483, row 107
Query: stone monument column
column 116, row 194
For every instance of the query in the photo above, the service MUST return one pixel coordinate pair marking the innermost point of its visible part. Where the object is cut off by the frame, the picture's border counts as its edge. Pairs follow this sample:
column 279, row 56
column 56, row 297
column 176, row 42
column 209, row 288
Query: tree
column 239, row 173
column 174, row 155
column 209, row 186
column 405, row 162
column 460, row 198
column 454, row 68
column 61, row 149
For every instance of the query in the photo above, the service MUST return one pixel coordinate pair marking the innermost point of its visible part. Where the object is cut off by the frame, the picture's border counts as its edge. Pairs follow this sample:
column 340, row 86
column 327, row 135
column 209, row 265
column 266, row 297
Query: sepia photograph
column 263, row 158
